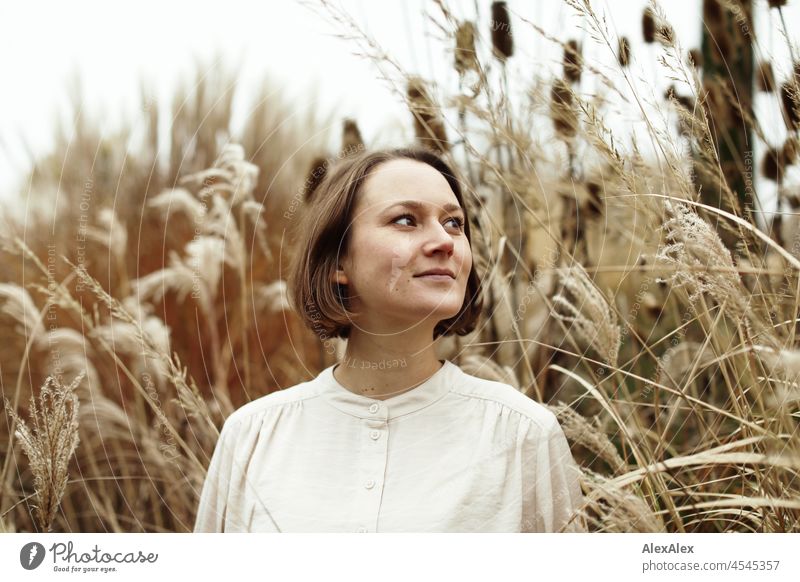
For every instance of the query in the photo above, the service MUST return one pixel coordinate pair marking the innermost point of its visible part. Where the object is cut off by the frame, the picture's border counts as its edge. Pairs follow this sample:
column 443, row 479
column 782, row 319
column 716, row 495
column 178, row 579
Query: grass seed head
column 50, row 444
column 624, row 51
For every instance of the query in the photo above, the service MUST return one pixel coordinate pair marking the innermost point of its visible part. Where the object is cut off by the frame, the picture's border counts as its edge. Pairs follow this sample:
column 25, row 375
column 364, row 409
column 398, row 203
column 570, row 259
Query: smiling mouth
column 436, row 277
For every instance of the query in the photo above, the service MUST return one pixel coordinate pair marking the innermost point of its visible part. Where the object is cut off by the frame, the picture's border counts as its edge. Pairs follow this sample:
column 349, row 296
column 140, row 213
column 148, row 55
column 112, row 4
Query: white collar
column 412, row 400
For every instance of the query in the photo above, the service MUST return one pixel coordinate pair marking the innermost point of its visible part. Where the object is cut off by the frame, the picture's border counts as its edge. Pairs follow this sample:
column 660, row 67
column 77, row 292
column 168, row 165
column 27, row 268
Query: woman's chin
column 435, row 313
column 420, row 308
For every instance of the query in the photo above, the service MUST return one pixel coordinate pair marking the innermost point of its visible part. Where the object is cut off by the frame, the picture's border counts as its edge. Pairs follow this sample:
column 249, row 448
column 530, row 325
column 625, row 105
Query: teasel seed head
column 773, row 165
column 502, row 41
column 562, row 109
column 595, row 204
column 792, row 197
column 712, row 11
column 573, row 62
column 428, row 124
column 648, row 25
column 465, row 57
column 351, row 138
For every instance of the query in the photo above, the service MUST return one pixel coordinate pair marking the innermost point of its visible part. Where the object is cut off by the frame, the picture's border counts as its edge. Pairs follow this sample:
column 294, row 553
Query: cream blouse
column 455, row 454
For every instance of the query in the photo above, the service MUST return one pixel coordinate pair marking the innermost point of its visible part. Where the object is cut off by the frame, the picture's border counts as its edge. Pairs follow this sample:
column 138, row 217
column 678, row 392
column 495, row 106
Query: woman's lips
column 436, row 277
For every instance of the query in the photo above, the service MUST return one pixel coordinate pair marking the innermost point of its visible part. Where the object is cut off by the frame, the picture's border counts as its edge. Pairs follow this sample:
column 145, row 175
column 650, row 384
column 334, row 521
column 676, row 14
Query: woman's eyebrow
column 449, row 207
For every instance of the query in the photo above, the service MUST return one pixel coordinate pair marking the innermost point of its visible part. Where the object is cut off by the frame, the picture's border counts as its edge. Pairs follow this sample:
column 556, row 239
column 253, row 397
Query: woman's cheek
column 466, row 259
column 400, row 256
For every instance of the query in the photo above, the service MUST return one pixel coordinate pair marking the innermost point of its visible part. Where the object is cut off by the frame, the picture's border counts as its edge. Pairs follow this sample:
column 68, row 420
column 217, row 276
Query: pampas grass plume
column 50, row 444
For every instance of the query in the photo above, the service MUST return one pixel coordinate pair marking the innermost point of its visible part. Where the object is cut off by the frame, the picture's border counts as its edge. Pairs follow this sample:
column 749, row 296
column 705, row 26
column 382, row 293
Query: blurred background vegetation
column 645, row 299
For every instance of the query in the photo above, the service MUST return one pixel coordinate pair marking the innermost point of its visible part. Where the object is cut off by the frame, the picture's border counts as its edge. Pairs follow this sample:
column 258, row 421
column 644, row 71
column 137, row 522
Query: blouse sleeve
column 212, row 509
column 552, row 482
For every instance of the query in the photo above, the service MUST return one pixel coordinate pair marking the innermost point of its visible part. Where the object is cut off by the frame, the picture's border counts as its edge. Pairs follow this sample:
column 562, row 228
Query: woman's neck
column 380, row 367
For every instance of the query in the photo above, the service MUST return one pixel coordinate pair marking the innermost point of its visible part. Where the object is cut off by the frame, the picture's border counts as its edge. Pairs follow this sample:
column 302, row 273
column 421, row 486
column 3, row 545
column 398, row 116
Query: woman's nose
column 438, row 239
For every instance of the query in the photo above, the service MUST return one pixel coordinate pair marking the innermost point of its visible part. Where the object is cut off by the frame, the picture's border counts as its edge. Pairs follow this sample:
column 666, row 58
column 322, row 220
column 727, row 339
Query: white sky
column 112, row 46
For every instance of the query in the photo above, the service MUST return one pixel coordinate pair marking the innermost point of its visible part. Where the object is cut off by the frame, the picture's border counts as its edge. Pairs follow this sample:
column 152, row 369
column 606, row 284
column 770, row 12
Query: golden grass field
column 142, row 297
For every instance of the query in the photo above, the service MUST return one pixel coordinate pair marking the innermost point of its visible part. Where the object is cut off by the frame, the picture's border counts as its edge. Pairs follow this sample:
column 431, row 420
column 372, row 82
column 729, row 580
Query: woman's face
column 391, row 245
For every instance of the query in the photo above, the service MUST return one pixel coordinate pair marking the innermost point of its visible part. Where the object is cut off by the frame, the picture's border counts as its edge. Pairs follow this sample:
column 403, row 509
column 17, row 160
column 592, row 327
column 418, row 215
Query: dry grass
column 50, row 444
column 610, row 289
column 588, row 312
column 141, row 288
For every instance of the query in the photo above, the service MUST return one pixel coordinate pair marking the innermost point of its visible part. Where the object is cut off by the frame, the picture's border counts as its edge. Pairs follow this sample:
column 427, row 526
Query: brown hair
column 324, row 231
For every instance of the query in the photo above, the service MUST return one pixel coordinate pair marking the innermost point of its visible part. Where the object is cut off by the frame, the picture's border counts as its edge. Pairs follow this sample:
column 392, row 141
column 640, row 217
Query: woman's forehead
column 405, row 180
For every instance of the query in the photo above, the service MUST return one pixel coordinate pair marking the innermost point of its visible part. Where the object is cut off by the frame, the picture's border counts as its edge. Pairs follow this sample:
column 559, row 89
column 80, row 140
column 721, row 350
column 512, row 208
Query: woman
column 391, row 439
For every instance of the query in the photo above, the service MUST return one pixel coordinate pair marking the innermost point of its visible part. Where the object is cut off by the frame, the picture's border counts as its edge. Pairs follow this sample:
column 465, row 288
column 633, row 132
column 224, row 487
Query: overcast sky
column 112, row 46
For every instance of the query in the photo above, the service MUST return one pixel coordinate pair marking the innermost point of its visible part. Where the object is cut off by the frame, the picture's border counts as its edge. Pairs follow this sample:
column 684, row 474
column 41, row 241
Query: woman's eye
column 458, row 221
column 403, row 216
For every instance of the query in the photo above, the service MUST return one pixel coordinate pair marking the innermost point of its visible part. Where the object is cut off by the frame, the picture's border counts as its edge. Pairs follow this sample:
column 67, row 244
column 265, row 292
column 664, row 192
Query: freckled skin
column 386, row 251
column 388, row 246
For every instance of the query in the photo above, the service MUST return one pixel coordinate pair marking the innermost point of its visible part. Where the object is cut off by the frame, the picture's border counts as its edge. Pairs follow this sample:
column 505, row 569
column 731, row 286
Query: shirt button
column 374, row 435
column 374, row 408
column 362, row 530
column 370, row 484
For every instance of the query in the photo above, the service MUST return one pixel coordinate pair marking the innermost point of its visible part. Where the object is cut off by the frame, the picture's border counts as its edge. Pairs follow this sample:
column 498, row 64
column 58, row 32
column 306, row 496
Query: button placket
column 375, row 454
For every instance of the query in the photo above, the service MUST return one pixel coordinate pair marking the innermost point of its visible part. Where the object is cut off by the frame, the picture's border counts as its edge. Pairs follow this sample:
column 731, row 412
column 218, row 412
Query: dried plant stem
column 60, row 294
column 656, row 486
column 50, row 444
column 6, row 474
column 245, row 299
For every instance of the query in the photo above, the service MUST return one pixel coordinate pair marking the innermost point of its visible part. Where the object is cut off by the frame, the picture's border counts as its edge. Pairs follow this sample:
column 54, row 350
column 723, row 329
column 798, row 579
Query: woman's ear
column 340, row 277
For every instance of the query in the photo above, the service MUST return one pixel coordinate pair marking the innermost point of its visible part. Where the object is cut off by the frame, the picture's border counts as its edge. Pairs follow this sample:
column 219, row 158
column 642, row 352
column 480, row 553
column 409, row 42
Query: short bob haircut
column 323, row 235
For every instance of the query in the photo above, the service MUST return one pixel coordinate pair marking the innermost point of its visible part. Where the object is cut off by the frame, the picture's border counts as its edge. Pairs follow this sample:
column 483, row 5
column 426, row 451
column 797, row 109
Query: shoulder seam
column 511, row 408
column 252, row 413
